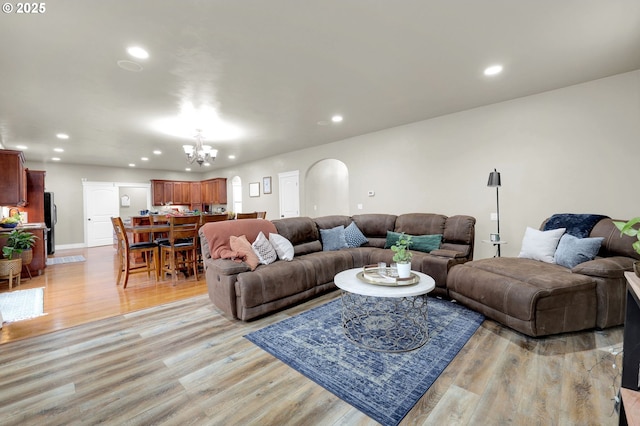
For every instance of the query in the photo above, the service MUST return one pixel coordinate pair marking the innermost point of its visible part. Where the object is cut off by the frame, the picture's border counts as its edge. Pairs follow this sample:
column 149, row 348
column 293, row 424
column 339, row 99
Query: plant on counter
column 18, row 240
column 400, row 249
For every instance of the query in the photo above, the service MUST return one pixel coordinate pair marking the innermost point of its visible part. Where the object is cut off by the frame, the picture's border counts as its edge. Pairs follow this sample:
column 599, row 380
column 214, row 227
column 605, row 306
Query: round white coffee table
column 384, row 318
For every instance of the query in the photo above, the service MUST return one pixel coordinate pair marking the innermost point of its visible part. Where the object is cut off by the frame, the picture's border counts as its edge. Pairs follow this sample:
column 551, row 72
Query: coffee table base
column 385, row 324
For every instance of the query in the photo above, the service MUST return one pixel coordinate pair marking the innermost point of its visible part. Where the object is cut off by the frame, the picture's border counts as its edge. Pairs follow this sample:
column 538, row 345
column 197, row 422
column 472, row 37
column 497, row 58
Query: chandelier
column 199, row 153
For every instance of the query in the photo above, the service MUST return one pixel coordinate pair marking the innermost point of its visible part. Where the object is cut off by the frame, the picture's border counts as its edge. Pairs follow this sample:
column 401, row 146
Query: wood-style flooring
column 113, row 372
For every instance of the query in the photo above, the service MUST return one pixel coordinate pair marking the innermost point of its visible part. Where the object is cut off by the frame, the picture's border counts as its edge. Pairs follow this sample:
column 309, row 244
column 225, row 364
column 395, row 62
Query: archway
column 327, row 188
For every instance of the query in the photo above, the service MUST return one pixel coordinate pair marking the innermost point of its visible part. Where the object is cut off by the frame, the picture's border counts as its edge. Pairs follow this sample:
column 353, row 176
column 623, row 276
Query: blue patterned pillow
column 354, row 236
column 333, row 239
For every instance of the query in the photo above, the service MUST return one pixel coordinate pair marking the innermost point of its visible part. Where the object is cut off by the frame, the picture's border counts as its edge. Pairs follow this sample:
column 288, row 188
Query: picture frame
column 266, row 185
column 254, row 189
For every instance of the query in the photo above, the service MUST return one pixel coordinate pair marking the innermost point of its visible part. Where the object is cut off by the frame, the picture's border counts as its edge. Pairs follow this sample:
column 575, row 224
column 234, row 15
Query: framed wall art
column 266, row 185
column 254, row 189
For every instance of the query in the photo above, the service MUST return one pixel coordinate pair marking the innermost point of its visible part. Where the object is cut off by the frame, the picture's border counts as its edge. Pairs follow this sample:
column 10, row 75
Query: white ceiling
column 276, row 68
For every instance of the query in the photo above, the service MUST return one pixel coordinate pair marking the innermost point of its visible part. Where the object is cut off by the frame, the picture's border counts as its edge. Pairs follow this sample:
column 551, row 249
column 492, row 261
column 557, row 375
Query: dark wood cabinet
column 195, row 194
column 13, row 181
column 630, row 383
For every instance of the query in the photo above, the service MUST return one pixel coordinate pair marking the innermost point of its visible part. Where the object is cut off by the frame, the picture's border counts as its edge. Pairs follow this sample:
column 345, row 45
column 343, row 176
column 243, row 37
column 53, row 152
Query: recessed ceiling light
column 62, row 136
column 206, row 164
column 129, row 65
column 144, row 158
column 137, row 52
column 187, row 169
column 232, row 157
column 58, row 149
column 336, row 119
column 21, row 147
column 132, row 165
column 157, row 152
column 55, row 159
column 493, row 70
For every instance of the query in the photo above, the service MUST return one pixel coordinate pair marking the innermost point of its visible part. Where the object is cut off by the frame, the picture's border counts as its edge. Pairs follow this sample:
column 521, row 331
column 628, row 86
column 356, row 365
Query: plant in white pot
column 402, row 256
column 628, row 228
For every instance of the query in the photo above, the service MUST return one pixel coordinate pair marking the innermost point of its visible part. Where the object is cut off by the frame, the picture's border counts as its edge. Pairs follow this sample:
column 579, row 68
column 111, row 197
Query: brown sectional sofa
column 245, row 294
column 538, row 298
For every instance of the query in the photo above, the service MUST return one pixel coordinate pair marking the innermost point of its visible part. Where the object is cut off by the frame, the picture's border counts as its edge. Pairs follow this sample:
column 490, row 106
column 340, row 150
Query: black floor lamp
column 494, row 181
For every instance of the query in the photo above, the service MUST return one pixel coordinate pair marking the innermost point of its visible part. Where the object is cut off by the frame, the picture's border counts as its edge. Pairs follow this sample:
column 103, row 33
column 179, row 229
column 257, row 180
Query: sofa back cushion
column 613, row 244
column 459, row 235
column 219, row 233
column 374, row 226
column 302, row 232
column 421, row 223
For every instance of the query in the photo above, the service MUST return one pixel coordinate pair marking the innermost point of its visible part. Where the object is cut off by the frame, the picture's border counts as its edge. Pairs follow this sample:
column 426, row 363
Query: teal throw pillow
column 354, row 236
column 423, row 243
column 573, row 251
column 333, row 239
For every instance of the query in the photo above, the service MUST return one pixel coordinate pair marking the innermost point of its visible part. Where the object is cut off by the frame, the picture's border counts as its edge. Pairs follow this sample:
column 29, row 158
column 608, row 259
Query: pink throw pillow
column 243, row 247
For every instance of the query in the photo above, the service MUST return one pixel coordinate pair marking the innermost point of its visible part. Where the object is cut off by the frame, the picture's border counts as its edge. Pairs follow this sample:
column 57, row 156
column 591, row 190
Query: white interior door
column 100, row 204
column 288, row 189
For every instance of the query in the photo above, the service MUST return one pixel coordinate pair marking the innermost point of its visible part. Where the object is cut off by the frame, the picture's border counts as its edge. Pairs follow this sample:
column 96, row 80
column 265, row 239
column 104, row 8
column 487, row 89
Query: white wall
column 567, row 150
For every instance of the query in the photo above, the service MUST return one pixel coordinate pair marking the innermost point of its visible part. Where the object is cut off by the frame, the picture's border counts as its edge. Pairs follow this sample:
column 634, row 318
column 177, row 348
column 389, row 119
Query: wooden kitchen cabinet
column 194, row 194
column 13, row 179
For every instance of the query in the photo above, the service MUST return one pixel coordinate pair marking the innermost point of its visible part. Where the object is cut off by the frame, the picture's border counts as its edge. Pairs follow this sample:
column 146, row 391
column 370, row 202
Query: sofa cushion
column 375, row 226
column 421, row 223
column 302, row 232
column 540, row 245
column 354, row 236
column 242, row 247
column 282, row 246
column 614, row 244
column 333, row 239
column 573, row 251
column 264, row 250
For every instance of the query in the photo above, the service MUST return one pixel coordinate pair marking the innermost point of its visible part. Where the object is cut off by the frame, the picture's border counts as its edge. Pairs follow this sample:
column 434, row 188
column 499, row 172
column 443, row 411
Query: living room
column 561, row 148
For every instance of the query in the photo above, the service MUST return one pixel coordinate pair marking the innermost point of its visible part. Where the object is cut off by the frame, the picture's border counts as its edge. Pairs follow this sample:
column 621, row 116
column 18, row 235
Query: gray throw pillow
column 333, row 239
column 573, row 251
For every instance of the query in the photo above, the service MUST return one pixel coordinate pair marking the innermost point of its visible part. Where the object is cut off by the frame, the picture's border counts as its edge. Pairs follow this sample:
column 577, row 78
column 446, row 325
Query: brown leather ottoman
column 532, row 297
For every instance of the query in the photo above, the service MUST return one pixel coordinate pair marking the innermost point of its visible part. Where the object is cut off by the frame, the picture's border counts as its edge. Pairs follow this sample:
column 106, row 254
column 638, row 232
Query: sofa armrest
column 452, row 254
column 605, row 267
column 226, row 266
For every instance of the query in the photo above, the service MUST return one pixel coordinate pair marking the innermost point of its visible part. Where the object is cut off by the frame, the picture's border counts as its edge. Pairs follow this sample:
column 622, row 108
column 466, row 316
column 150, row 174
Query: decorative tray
column 372, row 274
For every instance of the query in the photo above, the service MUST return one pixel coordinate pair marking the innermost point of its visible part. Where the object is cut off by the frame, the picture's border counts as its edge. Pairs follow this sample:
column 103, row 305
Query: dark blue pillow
column 354, row 236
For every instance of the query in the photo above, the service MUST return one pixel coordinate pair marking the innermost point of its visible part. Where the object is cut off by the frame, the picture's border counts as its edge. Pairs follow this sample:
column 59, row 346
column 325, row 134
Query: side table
column 384, row 318
column 495, row 243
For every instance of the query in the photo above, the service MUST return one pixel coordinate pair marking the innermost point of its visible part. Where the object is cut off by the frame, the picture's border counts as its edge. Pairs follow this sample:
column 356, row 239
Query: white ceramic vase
column 404, row 270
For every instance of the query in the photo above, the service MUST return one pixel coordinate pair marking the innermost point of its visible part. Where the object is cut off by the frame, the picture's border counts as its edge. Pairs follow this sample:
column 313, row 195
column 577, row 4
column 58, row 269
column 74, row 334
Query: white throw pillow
column 283, row 247
column 540, row 245
column 264, row 250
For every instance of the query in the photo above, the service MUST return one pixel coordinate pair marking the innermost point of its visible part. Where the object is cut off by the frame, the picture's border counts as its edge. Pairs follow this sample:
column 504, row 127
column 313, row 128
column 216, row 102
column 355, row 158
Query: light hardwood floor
column 499, row 377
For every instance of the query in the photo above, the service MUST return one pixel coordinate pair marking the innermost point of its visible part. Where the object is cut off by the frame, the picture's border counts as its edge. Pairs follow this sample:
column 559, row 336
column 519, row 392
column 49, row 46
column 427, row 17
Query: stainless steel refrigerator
column 50, row 219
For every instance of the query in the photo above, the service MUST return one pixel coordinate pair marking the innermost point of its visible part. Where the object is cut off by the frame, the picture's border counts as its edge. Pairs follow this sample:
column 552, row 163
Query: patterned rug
column 64, row 259
column 22, row 304
column 384, row 386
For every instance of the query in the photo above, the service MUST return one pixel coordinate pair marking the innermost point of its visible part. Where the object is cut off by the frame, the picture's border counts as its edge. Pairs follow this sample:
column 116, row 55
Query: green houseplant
column 628, row 228
column 402, row 255
column 18, row 241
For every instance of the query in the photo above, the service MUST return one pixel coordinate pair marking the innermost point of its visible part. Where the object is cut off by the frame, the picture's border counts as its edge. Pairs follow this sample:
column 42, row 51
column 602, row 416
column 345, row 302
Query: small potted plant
column 18, row 241
column 627, row 228
column 402, row 256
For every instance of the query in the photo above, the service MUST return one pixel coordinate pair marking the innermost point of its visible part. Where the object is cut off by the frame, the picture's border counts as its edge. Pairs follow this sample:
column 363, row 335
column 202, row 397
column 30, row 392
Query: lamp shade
column 494, row 178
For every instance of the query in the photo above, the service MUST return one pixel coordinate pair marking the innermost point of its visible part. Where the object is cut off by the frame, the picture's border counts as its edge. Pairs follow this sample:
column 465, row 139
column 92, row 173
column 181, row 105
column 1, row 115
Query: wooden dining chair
column 126, row 264
column 253, row 215
column 206, row 218
column 180, row 252
column 262, row 215
column 159, row 219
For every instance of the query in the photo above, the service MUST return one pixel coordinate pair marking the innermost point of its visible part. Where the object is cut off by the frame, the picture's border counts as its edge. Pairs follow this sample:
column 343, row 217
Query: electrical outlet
column 359, row 206
column 493, row 216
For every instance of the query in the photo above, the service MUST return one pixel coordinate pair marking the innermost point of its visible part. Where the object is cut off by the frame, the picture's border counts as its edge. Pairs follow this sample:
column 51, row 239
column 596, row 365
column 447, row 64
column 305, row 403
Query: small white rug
column 22, row 304
column 64, row 259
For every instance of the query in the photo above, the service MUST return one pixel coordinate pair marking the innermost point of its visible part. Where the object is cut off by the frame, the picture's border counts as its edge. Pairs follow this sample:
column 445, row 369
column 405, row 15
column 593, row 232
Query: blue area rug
column 384, row 386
